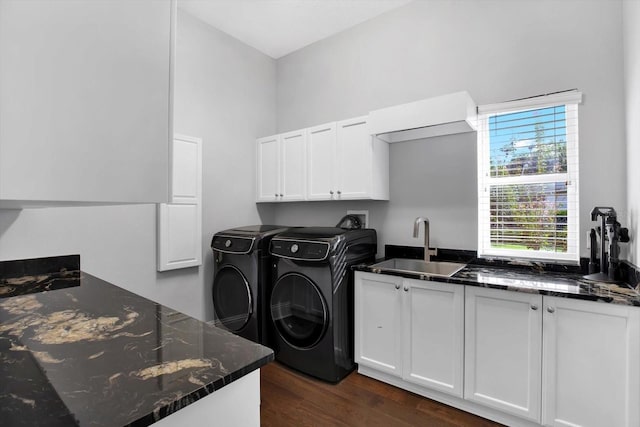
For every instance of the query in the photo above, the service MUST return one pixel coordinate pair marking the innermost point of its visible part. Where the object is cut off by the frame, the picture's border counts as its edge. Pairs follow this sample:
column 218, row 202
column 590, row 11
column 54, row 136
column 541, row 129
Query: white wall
column 631, row 13
column 225, row 94
column 497, row 50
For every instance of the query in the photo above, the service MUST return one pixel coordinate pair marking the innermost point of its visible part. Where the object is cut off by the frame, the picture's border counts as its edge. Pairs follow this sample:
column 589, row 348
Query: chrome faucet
column 416, row 228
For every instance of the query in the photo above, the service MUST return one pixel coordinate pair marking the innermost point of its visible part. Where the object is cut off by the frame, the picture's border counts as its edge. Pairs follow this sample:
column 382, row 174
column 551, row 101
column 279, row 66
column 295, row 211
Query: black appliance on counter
column 242, row 278
column 605, row 269
column 312, row 297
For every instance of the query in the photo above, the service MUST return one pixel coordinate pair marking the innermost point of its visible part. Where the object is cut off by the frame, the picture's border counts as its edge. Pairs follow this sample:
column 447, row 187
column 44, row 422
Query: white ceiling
column 279, row 27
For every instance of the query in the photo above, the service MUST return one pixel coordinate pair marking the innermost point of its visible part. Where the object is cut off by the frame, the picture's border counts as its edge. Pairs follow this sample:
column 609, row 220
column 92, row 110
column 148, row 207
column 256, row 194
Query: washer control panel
column 232, row 244
column 299, row 249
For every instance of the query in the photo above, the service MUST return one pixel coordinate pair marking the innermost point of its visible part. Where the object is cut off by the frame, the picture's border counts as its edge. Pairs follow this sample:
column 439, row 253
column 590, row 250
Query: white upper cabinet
column 292, row 165
column 281, row 167
column 334, row 161
column 268, row 166
column 346, row 163
column 362, row 162
column 85, row 106
column 321, row 143
column 591, row 374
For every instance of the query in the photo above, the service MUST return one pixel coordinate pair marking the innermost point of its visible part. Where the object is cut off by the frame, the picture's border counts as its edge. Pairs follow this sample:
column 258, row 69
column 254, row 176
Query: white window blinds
column 528, row 178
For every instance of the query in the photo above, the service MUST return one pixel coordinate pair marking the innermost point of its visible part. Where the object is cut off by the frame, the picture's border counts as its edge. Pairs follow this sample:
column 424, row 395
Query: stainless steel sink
column 417, row 266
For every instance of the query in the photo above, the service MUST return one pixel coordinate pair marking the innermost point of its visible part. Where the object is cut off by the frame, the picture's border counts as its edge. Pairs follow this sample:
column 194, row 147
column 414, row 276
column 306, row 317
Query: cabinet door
column 85, row 105
column 293, row 165
column 378, row 317
column 186, row 170
column 433, row 335
column 321, row 143
column 503, row 339
column 591, row 364
column 354, row 159
column 268, row 165
column 180, row 221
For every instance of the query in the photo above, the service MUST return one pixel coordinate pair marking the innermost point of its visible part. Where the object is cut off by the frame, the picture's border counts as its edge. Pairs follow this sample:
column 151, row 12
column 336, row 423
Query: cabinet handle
column 339, row 192
column 331, row 192
column 534, row 307
column 397, row 286
column 281, row 195
column 551, row 309
column 406, row 289
column 276, row 194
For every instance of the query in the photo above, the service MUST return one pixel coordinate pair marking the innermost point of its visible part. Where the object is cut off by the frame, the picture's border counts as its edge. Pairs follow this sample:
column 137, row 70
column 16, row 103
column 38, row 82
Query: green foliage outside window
column 533, row 215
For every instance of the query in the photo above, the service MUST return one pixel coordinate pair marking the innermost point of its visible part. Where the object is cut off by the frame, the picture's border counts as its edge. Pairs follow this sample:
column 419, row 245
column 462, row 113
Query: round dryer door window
column 232, row 300
column 299, row 311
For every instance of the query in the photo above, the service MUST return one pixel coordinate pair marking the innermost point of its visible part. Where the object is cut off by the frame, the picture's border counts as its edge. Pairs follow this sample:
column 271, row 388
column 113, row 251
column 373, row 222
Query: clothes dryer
column 241, row 280
column 311, row 301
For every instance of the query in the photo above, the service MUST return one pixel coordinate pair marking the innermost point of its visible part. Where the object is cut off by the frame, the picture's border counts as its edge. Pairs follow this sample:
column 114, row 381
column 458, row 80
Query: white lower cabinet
column 528, row 359
column 503, row 350
column 412, row 329
column 591, row 364
column 433, row 335
column 378, row 322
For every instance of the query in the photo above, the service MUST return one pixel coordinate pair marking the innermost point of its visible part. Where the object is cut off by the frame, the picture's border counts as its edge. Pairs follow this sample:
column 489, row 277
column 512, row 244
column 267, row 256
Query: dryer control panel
column 232, row 244
column 303, row 250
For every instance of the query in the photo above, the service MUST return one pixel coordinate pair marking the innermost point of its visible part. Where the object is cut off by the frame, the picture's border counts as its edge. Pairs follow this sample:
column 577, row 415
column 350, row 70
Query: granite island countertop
column 530, row 280
column 91, row 353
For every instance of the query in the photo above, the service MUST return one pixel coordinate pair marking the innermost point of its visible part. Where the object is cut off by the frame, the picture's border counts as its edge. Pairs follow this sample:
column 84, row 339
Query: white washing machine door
column 299, row 311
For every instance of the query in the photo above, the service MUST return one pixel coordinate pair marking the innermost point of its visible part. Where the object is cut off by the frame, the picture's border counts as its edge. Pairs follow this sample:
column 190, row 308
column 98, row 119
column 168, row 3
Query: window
column 528, row 178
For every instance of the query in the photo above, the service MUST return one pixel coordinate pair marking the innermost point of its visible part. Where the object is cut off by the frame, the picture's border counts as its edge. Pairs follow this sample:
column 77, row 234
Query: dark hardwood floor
column 293, row 399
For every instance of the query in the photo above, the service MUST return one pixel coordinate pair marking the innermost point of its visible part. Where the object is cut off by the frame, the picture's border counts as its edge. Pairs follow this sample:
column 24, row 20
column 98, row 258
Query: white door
column 268, row 165
column 321, row 143
column 433, row 335
column 378, row 322
column 186, row 172
column 591, row 364
column 180, row 221
column 293, row 166
column 354, row 159
column 503, row 340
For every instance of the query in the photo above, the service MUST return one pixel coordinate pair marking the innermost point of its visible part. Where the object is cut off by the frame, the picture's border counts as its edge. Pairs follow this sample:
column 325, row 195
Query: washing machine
column 241, row 280
column 311, row 302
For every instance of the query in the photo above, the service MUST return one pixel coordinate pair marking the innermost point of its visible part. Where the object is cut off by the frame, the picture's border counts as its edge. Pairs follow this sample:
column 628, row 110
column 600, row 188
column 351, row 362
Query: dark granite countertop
column 91, row 353
column 532, row 280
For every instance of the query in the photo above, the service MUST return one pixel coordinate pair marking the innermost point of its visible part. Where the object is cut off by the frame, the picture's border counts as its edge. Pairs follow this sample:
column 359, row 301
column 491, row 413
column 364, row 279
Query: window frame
column 570, row 100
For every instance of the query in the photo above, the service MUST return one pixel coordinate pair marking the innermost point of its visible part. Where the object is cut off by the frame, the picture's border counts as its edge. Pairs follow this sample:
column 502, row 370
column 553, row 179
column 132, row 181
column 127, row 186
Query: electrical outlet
column 363, row 216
